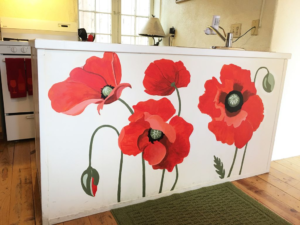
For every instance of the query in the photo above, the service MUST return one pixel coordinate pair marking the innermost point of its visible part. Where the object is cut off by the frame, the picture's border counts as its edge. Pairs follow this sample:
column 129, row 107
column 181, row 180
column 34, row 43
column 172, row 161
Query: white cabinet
column 233, row 91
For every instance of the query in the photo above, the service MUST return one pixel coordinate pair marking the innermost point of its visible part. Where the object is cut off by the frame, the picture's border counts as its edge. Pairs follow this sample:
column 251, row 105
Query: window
column 115, row 21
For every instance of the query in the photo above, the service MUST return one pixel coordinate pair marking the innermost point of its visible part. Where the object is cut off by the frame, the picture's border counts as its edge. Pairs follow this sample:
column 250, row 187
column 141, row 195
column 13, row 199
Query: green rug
column 219, row 204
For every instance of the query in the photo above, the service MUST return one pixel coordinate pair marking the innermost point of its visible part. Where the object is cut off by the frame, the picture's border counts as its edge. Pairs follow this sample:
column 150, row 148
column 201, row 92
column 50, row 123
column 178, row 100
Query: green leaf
column 219, row 166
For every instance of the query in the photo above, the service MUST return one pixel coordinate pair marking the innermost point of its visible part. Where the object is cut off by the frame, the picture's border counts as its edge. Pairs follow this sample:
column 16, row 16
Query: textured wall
column 54, row 10
column 192, row 17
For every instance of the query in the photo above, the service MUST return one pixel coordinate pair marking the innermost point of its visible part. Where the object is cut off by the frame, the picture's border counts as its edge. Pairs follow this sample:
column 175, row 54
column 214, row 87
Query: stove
column 18, row 117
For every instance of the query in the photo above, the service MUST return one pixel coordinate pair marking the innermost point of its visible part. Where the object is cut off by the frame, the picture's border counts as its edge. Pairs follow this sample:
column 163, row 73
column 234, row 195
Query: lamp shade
column 153, row 28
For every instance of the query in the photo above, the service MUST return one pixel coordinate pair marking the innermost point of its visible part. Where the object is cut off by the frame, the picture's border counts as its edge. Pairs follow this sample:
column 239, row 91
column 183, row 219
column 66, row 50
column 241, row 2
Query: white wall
column 286, row 38
column 192, row 17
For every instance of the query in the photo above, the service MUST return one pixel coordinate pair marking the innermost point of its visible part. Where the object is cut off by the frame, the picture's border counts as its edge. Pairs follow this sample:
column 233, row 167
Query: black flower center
column 106, row 90
column 155, row 135
column 234, row 101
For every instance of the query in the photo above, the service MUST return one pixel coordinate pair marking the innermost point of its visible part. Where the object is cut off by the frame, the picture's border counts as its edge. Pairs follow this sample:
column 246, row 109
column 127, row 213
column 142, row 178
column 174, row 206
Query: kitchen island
column 121, row 124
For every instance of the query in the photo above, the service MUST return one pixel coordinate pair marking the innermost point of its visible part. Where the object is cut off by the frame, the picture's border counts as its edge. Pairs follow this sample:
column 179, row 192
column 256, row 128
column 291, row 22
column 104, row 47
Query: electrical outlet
column 236, row 29
column 255, row 23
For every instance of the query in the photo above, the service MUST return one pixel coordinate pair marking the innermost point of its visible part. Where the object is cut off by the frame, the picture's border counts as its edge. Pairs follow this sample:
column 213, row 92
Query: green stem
column 120, row 176
column 143, row 160
column 144, row 177
column 162, row 181
column 259, row 70
column 121, row 160
column 243, row 159
column 179, row 99
column 236, row 149
column 179, row 112
column 128, row 107
column 176, row 178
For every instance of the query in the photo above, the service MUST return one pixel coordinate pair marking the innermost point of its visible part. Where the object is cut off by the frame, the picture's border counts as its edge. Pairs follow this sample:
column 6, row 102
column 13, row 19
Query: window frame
column 116, row 16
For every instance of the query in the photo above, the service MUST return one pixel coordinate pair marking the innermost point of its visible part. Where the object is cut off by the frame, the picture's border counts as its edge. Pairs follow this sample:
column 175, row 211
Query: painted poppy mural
column 154, row 131
column 235, row 109
column 98, row 82
column 89, row 181
column 162, row 144
column 163, row 77
column 160, row 74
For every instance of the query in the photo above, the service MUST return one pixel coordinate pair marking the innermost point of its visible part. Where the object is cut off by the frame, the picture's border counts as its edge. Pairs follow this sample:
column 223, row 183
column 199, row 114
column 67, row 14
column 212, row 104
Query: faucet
column 227, row 39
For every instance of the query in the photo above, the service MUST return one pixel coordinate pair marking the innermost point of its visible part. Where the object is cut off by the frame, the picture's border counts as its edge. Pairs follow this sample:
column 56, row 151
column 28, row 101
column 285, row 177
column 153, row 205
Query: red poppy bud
column 89, row 181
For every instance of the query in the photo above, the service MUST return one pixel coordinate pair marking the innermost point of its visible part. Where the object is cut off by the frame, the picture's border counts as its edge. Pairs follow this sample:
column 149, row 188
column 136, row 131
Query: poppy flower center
column 106, row 91
column 234, row 101
column 155, row 135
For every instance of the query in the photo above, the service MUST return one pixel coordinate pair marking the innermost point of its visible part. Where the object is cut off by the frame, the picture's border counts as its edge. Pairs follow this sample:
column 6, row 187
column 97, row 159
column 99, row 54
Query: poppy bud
column 269, row 83
column 89, row 181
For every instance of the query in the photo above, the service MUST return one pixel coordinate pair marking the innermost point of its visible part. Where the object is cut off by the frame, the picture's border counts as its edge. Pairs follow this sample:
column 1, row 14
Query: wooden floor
column 19, row 193
column 278, row 190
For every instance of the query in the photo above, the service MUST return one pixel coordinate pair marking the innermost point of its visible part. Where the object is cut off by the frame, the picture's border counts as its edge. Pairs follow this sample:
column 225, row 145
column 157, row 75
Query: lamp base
column 157, row 43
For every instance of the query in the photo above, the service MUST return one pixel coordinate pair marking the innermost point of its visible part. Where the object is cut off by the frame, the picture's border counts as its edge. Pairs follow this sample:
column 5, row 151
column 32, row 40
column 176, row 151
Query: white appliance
column 18, row 112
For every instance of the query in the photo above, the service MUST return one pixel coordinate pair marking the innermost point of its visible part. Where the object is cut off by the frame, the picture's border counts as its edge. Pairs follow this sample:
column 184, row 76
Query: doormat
column 219, row 204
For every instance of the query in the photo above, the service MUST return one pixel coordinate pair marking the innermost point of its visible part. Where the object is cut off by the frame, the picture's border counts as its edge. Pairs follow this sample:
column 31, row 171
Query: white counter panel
column 65, row 139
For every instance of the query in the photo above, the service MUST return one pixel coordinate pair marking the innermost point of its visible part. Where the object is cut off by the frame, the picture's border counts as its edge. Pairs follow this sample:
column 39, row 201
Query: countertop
column 170, row 50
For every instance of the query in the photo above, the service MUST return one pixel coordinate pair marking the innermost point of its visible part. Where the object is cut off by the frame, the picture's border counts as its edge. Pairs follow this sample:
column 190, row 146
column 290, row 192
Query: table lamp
column 153, row 29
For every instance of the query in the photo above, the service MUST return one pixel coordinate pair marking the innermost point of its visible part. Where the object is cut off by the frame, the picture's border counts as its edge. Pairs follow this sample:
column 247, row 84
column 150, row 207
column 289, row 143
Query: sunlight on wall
column 53, row 10
column 286, row 38
column 191, row 18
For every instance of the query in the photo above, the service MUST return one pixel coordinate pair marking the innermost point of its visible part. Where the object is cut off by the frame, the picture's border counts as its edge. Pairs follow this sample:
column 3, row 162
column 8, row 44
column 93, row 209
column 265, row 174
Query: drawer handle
column 30, row 117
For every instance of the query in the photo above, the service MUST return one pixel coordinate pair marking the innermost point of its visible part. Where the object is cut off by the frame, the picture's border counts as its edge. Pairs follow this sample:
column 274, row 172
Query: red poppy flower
column 97, row 82
column 162, row 75
column 235, row 108
column 163, row 144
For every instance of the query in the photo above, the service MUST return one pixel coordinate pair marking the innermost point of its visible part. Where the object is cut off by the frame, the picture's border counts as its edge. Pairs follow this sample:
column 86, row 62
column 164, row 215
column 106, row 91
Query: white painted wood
column 277, row 112
column 98, row 47
column 64, row 160
column 40, row 156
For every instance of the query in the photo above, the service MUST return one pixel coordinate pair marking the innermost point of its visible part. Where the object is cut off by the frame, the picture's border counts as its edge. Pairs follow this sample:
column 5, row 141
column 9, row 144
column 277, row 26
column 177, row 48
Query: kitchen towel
column 28, row 75
column 16, row 77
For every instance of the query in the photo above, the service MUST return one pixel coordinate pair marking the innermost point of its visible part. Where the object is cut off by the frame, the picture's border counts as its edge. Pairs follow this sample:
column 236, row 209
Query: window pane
column 103, row 38
column 103, row 23
column 142, row 41
column 86, row 5
column 103, row 6
column 127, row 40
column 143, row 7
column 128, row 7
column 86, row 20
column 140, row 23
column 127, row 25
